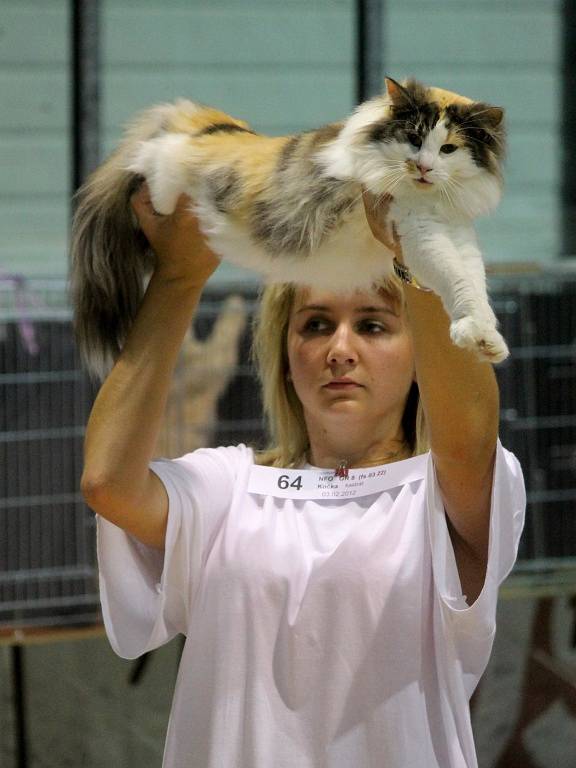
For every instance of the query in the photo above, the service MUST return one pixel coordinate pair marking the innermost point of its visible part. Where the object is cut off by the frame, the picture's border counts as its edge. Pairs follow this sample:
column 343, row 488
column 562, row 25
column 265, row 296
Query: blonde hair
column 289, row 442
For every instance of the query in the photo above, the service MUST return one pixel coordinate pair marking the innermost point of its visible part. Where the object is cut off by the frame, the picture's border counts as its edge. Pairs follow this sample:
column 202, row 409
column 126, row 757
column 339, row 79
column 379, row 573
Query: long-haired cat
column 291, row 207
column 203, row 372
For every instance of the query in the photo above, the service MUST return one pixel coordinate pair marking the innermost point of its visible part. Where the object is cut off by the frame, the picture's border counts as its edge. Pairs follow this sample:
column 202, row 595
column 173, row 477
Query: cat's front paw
column 481, row 337
column 161, row 162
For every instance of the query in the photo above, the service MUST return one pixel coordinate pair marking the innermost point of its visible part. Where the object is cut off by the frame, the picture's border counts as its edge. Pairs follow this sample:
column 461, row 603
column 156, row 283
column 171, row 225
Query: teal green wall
column 284, row 66
column 506, row 52
column 34, row 166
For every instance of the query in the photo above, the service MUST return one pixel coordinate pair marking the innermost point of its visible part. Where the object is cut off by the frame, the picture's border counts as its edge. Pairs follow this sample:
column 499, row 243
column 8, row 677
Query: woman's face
column 349, row 355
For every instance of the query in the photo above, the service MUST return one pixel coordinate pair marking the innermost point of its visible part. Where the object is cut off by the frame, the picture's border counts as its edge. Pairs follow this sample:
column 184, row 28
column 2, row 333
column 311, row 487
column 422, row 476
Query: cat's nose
column 423, row 168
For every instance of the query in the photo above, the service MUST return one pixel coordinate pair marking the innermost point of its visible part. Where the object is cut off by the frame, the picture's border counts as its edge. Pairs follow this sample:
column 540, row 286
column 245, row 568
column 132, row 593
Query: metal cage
column 47, row 535
column 537, row 311
column 47, row 559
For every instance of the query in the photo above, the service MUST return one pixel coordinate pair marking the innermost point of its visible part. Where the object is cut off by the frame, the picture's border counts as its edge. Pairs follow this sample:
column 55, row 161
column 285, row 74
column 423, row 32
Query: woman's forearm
column 126, row 418
column 459, row 392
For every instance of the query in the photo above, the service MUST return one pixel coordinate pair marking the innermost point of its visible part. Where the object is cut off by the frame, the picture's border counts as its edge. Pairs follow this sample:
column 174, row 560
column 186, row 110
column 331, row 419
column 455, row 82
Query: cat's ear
column 495, row 116
column 492, row 117
column 399, row 96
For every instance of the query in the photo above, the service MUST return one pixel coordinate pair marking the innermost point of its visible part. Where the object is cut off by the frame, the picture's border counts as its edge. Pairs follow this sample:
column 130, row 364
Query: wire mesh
column 537, row 311
column 47, row 535
column 47, row 564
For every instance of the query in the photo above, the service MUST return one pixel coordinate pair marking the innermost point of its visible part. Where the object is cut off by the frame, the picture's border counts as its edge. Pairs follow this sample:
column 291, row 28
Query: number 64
column 284, row 482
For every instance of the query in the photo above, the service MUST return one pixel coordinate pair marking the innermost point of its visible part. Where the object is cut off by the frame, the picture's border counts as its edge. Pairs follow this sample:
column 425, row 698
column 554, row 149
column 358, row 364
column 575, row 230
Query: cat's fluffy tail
column 110, row 257
column 110, row 261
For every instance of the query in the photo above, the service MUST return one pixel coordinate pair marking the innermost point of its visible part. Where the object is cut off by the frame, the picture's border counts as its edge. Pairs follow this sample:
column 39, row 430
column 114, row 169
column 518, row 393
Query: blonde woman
column 337, row 592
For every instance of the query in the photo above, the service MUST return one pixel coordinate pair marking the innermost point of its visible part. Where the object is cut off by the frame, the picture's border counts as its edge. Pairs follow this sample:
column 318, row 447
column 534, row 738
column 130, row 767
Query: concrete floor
column 83, row 713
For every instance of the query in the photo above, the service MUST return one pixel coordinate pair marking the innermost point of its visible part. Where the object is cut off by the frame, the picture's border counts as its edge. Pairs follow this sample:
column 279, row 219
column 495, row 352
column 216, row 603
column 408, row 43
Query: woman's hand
column 180, row 247
column 377, row 210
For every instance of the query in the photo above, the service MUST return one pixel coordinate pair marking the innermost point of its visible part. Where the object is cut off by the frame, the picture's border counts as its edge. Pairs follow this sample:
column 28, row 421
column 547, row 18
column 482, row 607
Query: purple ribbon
column 23, row 300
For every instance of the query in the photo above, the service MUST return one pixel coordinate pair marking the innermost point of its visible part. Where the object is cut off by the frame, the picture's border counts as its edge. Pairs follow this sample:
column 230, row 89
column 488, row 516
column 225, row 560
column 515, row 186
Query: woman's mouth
column 341, row 384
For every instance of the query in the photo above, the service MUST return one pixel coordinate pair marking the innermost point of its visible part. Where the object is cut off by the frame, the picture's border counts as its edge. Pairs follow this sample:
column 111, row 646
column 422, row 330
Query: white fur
column 434, row 220
column 166, row 169
column 349, row 258
column 445, row 256
column 460, row 186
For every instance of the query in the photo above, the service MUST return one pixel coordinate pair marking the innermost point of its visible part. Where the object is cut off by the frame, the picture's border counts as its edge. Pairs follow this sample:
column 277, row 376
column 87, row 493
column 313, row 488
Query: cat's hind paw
column 480, row 337
column 161, row 162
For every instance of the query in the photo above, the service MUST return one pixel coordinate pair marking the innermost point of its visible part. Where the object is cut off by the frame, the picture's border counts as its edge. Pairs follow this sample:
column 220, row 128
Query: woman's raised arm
column 460, row 399
column 126, row 418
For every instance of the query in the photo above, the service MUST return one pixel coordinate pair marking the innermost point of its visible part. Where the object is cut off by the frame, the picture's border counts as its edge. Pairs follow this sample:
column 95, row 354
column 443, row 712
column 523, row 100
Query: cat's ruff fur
column 291, row 207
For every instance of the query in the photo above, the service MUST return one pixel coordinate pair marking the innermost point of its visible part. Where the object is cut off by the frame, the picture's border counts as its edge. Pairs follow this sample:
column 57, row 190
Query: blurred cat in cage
column 204, row 370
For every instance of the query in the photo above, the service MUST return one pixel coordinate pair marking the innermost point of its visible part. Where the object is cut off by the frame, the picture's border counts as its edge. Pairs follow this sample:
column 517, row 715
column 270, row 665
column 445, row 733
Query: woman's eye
column 371, row 326
column 316, row 325
column 447, row 149
column 414, row 139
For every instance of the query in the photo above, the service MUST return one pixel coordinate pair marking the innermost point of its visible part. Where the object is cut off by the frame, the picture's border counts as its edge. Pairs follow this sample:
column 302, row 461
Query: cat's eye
column 447, row 149
column 414, row 139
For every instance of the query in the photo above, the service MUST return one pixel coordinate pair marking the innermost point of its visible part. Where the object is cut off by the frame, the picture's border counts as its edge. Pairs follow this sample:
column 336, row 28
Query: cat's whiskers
column 392, row 163
column 394, row 177
column 355, row 200
column 446, row 192
column 455, row 186
column 475, row 114
column 380, row 199
column 466, row 136
column 392, row 181
column 377, row 194
column 400, row 178
column 396, row 167
column 401, row 122
column 493, row 138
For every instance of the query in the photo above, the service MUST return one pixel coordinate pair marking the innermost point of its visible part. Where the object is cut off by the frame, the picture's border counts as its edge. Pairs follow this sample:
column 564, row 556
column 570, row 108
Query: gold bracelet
column 402, row 272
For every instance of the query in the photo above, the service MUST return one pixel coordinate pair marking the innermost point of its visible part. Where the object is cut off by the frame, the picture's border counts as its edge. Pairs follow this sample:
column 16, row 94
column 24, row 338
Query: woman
column 331, row 621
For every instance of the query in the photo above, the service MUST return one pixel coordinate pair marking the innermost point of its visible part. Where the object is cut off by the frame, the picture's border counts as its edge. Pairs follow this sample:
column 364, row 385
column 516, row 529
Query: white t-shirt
column 320, row 633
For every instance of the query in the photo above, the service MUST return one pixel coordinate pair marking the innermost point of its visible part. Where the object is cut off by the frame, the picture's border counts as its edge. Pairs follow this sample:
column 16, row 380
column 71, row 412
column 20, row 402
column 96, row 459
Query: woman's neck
column 353, row 453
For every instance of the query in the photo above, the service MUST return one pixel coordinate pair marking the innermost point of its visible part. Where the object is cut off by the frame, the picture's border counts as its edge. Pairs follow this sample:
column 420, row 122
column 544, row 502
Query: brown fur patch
column 454, row 135
column 186, row 121
column 326, row 133
column 443, row 97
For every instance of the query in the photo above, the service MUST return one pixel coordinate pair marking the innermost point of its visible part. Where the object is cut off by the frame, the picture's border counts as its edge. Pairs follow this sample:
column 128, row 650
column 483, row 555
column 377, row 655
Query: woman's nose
column 341, row 351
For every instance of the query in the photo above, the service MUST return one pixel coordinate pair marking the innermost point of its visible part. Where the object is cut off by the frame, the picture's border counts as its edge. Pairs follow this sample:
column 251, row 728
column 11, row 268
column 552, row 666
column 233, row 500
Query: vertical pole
column 568, row 110
column 19, row 694
column 85, row 123
column 369, row 53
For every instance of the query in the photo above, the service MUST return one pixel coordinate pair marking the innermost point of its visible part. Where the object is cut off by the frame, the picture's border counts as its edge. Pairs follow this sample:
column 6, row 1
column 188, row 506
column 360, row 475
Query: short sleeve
column 146, row 593
column 507, row 512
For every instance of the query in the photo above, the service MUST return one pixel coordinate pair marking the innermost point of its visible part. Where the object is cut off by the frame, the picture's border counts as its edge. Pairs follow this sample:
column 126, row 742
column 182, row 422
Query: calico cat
column 291, row 207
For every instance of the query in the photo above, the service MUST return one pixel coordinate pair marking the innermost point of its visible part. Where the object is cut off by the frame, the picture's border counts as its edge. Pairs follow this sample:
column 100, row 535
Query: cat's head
column 415, row 142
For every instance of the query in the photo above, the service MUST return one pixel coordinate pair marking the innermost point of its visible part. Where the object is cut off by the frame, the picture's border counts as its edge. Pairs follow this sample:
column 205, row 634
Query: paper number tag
column 323, row 484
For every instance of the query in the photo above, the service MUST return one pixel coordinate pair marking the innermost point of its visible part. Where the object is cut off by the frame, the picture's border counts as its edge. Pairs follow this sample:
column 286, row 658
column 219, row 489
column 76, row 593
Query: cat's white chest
column 347, row 258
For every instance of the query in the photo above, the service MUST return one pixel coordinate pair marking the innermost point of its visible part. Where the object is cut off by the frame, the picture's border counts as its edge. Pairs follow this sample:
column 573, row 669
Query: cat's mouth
column 422, row 180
